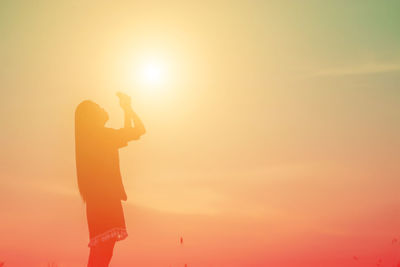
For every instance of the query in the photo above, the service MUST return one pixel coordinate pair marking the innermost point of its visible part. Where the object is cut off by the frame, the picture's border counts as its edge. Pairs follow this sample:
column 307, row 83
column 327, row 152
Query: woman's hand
column 130, row 115
column 124, row 101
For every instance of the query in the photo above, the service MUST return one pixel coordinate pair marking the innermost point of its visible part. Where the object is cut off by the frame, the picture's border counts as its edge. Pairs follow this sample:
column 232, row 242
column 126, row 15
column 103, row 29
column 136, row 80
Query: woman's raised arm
column 131, row 116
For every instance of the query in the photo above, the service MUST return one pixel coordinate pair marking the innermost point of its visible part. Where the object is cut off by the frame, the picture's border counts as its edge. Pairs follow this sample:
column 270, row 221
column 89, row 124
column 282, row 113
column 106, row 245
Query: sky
column 272, row 135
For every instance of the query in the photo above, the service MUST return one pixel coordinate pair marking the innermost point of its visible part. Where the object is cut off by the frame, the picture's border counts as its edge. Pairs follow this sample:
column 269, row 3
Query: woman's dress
column 101, row 185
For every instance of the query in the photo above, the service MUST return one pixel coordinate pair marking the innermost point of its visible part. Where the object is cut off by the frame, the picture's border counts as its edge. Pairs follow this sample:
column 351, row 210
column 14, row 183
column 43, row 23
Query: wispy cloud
column 365, row 69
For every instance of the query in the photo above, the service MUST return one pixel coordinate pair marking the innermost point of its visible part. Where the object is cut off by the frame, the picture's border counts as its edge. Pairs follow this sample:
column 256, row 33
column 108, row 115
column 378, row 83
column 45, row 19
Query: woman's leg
column 108, row 251
column 101, row 254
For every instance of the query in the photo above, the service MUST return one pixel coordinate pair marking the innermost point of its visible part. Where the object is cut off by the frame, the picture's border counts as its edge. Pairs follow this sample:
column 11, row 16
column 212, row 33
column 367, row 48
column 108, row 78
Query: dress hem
column 116, row 234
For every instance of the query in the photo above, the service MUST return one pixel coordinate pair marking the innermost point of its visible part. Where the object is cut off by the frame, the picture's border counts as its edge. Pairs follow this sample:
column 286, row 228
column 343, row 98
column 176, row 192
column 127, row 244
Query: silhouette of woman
column 99, row 177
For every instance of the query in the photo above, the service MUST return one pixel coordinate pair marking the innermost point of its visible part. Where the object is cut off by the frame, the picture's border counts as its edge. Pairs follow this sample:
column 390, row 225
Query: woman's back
column 97, row 162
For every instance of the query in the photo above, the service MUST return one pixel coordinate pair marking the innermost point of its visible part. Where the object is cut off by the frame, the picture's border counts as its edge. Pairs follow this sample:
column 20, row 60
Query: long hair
column 89, row 118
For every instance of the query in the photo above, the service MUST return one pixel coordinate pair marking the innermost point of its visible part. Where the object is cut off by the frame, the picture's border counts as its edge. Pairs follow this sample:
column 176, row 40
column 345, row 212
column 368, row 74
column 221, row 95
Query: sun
column 153, row 73
column 150, row 74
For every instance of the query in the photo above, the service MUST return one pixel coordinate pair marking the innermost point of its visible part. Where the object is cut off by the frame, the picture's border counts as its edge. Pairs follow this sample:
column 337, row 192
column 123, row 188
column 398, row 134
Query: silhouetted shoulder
column 120, row 137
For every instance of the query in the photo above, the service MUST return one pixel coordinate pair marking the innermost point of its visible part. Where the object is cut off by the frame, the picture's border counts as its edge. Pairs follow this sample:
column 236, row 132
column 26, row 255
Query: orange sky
column 274, row 140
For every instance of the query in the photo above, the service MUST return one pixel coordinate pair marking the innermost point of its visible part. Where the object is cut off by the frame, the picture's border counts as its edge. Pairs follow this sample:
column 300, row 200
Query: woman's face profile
column 103, row 115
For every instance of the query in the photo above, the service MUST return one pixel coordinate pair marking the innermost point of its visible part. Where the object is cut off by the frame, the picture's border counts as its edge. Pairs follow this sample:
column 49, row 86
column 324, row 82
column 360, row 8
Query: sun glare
column 150, row 73
column 153, row 73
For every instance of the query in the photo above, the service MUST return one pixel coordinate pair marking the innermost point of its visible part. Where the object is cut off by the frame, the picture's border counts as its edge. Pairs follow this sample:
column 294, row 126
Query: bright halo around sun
column 153, row 73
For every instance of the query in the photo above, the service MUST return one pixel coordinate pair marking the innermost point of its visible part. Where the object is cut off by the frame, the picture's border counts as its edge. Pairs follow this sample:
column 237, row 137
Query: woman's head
column 90, row 115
